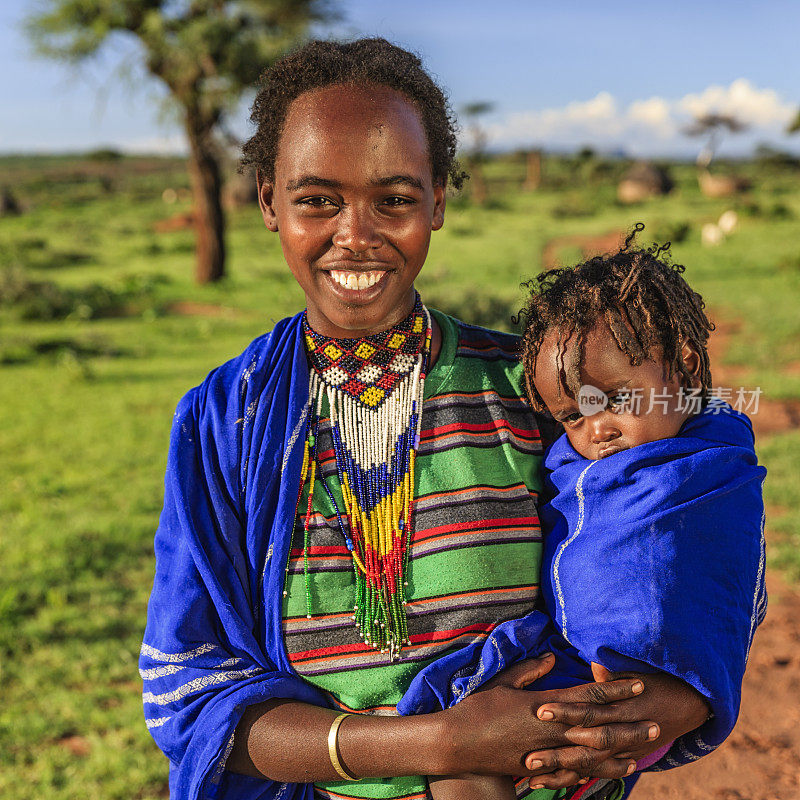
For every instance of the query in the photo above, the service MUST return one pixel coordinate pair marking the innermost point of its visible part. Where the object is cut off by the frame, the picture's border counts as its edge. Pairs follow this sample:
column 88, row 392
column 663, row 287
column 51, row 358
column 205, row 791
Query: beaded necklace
column 374, row 388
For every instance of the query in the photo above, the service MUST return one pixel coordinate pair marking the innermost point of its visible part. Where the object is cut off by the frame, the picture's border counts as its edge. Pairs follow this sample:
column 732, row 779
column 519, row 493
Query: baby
column 654, row 522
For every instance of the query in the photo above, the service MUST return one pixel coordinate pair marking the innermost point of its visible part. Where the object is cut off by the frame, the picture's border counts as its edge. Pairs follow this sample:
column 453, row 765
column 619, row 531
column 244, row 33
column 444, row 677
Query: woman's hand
column 673, row 706
column 494, row 729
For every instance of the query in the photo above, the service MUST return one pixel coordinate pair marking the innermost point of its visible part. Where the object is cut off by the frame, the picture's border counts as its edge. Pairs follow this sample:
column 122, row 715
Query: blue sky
column 616, row 75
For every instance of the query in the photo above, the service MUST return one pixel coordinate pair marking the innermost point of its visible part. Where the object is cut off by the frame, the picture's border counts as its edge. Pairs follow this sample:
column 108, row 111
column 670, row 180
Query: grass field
column 102, row 330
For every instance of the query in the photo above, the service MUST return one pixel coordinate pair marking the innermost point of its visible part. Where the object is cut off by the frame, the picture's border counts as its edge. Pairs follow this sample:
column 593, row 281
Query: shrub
column 46, row 300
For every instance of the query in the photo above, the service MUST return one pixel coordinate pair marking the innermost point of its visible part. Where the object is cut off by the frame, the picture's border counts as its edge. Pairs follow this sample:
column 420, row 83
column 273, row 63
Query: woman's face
column 354, row 204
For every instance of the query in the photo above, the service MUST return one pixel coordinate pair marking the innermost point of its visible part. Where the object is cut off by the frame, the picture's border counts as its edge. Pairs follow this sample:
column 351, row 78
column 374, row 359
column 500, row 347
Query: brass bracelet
column 333, row 749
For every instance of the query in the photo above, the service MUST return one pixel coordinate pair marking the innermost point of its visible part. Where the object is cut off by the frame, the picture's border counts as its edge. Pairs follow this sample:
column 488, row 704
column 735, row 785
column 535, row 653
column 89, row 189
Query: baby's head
column 615, row 349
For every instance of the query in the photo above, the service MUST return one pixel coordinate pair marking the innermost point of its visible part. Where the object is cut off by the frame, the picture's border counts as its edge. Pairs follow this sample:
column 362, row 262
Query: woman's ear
column 691, row 362
column 439, row 202
column 266, row 200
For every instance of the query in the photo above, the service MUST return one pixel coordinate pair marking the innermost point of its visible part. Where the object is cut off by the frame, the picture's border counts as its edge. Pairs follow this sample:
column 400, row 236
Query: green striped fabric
column 474, row 558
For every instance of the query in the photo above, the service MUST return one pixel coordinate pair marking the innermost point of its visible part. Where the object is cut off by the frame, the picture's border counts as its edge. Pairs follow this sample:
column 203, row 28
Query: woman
column 322, row 539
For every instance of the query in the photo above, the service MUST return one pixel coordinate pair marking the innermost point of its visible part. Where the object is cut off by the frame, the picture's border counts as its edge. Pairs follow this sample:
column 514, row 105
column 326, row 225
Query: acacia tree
column 477, row 150
column 206, row 52
column 712, row 126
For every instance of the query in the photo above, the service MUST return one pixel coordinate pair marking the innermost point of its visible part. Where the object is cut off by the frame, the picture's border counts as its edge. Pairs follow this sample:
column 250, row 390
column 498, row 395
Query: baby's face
column 601, row 423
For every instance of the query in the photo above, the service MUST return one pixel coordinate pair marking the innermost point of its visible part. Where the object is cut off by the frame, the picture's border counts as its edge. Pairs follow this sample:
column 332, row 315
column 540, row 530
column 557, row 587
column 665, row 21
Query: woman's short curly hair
column 363, row 62
column 640, row 294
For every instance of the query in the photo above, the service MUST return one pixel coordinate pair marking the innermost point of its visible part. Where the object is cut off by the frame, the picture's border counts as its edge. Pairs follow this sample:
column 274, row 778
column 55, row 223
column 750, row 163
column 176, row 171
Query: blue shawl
column 654, row 560
column 213, row 643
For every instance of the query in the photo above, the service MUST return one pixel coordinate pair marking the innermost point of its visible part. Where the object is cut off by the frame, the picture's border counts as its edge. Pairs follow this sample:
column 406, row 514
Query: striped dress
column 474, row 558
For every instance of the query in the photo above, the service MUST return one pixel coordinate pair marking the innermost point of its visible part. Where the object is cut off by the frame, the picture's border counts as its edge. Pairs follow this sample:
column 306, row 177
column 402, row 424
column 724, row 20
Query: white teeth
column 355, row 280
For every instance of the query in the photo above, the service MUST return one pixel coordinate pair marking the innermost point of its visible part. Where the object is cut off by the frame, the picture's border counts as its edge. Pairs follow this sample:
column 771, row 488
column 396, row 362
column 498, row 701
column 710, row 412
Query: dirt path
column 761, row 759
column 773, row 416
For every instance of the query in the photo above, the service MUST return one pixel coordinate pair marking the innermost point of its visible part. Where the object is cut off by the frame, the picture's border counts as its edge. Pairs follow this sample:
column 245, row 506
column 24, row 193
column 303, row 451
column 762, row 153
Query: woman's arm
column 490, row 733
column 288, row 741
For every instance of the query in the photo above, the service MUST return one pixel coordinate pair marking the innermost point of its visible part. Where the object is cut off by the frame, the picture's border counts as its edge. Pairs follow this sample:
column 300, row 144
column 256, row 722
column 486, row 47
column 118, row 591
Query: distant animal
column 728, row 221
column 711, row 234
column 177, row 222
column 589, row 245
column 721, row 185
column 714, row 233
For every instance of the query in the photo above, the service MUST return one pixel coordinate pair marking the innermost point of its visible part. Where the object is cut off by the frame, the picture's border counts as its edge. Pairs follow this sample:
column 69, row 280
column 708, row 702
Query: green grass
column 88, row 398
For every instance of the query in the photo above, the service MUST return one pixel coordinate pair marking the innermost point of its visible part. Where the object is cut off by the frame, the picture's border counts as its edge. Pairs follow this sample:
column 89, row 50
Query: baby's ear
column 691, row 361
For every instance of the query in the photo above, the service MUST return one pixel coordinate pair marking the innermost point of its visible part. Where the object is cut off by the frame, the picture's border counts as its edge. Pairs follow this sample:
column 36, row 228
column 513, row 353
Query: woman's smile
column 357, row 281
column 355, row 288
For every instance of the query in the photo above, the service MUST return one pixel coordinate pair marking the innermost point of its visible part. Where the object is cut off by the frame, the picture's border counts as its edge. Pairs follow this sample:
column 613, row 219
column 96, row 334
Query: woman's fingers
column 531, row 670
column 555, row 780
column 620, row 738
column 579, row 761
column 594, row 694
column 587, row 715
column 520, row 675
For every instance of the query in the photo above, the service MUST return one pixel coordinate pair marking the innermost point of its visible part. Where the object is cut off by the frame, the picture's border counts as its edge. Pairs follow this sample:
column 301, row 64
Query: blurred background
column 133, row 260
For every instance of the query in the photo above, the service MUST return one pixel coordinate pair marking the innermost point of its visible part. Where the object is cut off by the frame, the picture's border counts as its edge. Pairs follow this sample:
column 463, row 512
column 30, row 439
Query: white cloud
column 648, row 126
column 756, row 107
column 653, row 113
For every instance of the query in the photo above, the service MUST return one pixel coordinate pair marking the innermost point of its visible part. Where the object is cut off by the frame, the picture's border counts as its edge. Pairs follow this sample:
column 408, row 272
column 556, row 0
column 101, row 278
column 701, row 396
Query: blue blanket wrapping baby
column 654, row 560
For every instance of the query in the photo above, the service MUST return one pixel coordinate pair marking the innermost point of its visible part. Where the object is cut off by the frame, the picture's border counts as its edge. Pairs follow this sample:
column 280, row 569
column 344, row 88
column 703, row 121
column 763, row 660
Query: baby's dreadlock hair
column 640, row 294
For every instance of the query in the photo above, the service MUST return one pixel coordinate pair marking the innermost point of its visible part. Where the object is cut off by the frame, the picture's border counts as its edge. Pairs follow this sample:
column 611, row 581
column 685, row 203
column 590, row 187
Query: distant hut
column 642, row 181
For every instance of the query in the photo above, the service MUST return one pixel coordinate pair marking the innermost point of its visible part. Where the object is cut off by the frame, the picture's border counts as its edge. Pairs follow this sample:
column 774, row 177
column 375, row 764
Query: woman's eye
column 396, row 201
column 316, row 202
column 572, row 418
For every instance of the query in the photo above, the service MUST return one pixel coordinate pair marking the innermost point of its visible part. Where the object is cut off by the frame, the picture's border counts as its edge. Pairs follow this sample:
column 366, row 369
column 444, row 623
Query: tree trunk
column 534, row 170
column 207, row 191
column 478, row 189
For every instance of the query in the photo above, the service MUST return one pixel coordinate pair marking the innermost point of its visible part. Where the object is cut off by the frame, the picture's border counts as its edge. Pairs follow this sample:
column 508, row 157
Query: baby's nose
column 603, row 430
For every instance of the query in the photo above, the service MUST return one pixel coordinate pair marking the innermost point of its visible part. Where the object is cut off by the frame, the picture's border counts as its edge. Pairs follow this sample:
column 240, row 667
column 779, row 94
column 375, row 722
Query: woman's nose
column 356, row 230
column 602, row 429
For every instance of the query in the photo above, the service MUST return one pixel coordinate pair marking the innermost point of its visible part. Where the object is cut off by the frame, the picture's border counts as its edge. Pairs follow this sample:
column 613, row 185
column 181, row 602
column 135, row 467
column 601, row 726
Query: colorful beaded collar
column 368, row 370
column 374, row 388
